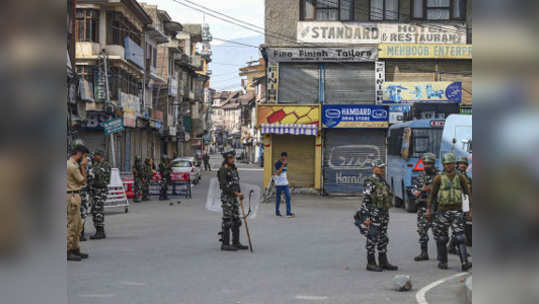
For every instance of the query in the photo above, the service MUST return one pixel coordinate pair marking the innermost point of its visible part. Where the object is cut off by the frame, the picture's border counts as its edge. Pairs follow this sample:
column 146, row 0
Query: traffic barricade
column 116, row 196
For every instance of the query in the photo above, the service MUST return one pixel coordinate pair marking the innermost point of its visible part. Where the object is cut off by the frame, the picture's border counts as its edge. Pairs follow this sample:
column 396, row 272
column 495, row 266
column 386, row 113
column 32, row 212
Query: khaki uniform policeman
column 76, row 178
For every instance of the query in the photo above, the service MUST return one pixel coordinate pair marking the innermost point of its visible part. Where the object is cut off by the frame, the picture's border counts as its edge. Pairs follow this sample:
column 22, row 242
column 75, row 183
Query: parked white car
column 186, row 165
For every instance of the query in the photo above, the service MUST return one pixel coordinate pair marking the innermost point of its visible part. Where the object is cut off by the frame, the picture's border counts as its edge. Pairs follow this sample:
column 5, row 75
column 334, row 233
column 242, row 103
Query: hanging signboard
column 273, row 81
column 374, row 33
column 113, row 126
column 359, row 54
column 131, row 106
column 424, row 91
column 354, row 116
column 133, row 52
column 428, row 51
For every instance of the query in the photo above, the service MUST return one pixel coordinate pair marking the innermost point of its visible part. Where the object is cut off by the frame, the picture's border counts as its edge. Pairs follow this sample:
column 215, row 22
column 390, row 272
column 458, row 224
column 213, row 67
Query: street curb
column 468, row 286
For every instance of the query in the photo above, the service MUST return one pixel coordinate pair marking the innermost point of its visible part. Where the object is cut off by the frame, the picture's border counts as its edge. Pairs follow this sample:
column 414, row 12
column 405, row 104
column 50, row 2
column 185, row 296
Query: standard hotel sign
column 360, row 33
column 434, row 51
column 358, row 54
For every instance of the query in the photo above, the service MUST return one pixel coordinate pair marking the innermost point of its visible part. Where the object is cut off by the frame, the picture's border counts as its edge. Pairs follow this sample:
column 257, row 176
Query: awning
column 294, row 129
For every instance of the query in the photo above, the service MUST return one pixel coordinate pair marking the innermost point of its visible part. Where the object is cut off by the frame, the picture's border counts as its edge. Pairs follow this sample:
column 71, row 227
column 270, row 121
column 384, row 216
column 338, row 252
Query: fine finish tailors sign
column 359, row 54
column 373, row 33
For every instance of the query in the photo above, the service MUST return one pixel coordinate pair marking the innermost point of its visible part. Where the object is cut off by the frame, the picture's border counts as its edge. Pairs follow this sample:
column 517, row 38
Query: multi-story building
column 336, row 68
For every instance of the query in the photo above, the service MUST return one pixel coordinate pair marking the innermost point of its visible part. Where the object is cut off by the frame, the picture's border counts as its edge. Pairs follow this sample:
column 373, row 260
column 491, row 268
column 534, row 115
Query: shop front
column 354, row 137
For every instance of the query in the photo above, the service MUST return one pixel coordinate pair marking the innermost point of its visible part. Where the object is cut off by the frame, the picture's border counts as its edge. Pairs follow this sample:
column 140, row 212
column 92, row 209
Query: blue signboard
column 133, row 52
column 355, row 116
column 113, row 126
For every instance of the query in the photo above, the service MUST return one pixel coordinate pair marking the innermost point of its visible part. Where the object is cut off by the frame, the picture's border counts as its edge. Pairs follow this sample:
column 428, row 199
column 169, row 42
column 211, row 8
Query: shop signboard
column 375, row 33
column 380, row 78
column 424, row 91
column 113, row 126
column 131, row 106
column 289, row 114
column 133, row 52
column 358, row 54
column 354, row 116
column 396, row 113
column 425, row 51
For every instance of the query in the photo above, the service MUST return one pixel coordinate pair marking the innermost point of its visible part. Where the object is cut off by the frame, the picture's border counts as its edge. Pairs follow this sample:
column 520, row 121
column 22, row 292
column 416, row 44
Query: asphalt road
column 163, row 254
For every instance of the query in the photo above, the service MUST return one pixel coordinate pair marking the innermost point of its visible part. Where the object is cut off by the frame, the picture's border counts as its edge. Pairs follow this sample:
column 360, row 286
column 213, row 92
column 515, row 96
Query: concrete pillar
column 318, row 163
column 268, row 166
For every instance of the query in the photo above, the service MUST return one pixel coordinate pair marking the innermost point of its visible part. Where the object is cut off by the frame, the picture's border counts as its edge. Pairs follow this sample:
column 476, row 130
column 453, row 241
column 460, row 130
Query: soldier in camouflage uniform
column 229, row 182
column 373, row 218
column 99, row 190
column 462, row 167
column 420, row 189
column 147, row 173
column 165, row 170
column 138, row 174
column 447, row 190
column 84, row 198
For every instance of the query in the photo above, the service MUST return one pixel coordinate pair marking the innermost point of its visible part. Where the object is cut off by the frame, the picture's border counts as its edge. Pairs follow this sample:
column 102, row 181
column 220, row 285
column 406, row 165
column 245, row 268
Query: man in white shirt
column 281, row 185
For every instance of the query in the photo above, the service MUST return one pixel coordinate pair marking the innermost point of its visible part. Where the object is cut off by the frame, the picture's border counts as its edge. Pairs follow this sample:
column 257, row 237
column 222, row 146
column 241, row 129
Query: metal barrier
column 180, row 185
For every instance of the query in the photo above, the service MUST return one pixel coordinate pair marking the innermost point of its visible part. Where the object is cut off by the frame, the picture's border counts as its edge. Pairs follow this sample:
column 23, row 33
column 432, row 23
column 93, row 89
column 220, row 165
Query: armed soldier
column 138, row 174
column 84, row 198
column 148, row 175
column 462, row 168
column 421, row 190
column 447, row 190
column 374, row 215
column 165, row 170
column 229, row 182
column 99, row 189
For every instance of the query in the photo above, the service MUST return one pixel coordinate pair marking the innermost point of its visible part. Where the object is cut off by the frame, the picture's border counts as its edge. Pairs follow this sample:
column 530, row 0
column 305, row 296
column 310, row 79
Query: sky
column 227, row 58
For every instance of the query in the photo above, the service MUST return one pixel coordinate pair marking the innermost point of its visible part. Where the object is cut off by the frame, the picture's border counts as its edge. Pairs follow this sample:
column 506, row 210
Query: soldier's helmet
column 449, row 158
column 462, row 159
column 228, row 154
column 100, row 153
column 429, row 158
column 379, row 164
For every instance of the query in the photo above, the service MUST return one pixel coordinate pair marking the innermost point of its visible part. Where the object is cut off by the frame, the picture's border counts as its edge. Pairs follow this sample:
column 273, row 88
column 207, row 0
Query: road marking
column 421, row 294
column 311, row 298
column 127, row 283
column 97, row 296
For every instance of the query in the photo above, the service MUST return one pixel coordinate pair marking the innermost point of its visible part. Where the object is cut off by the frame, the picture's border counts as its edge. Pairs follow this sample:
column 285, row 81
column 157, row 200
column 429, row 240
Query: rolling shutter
column 349, row 83
column 348, row 157
column 299, row 83
column 300, row 151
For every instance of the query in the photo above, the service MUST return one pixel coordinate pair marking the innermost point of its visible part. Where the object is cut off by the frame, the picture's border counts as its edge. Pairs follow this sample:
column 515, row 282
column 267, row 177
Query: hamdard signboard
column 374, row 33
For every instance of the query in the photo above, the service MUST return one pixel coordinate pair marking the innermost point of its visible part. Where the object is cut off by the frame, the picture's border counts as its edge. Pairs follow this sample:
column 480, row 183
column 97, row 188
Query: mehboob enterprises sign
column 358, row 54
column 374, row 33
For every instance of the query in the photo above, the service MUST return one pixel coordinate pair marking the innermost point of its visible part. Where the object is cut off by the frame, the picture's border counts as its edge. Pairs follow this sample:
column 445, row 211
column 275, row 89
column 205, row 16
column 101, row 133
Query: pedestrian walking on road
column 421, row 189
column 99, row 189
column 76, row 178
column 282, row 186
column 229, row 182
column 206, row 159
column 374, row 212
column 447, row 190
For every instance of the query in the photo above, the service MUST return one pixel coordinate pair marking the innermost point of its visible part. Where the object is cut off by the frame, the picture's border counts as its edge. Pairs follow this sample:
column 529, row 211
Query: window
column 327, row 10
column 87, row 25
column 426, row 140
column 439, row 9
column 119, row 28
column 384, row 10
column 395, row 142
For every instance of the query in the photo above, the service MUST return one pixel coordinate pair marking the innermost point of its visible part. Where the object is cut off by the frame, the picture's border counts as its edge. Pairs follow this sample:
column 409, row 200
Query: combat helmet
column 228, row 154
column 462, row 159
column 449, row 158
column 429, row 158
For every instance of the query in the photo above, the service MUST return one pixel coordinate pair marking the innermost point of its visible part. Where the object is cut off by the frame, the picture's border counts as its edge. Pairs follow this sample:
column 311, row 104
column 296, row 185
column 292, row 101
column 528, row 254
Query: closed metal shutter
column 349, row 83
column 300, row 151
column 348, row 157
column 299, row 83
column 94, row 139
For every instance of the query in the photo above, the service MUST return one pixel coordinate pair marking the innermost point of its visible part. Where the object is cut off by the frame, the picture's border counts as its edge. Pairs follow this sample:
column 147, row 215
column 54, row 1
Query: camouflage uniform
column 165, row 170
column 85, row 200
column 148, row 175
column 423, row 224
column 229, row 182
column 138, row 175
column 99, row 190
column 447, row 189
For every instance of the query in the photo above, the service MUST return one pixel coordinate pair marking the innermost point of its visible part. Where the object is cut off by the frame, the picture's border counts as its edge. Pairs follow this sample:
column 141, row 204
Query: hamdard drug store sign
column 374, row 33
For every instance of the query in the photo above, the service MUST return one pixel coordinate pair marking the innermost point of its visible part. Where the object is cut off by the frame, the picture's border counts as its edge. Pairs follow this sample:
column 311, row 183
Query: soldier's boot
column 460, row 240
column 72, row 256
column 99, row 234
column 225, row 238
column 81, row 254
column 442, row 255
column 384, row 263
column 424, row 255
column 83, row 235
column 371, row 263
column 236, row 238
column 452, row 247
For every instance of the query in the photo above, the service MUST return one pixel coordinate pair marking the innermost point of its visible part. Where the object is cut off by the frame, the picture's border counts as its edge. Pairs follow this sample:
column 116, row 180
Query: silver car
column 187, row 165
